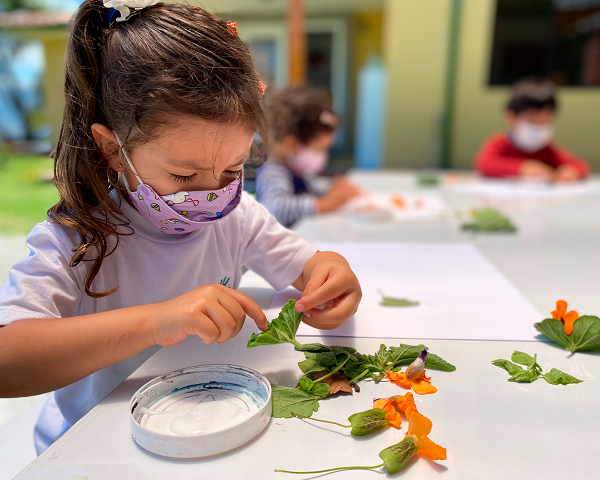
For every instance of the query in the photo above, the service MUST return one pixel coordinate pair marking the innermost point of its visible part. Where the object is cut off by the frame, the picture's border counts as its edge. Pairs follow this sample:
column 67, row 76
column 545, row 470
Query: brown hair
column 132, row 76
column 302, row 112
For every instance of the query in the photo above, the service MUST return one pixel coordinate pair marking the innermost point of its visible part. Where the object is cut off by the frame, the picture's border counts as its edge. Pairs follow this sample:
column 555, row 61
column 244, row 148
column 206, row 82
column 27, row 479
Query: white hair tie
column 124, row 8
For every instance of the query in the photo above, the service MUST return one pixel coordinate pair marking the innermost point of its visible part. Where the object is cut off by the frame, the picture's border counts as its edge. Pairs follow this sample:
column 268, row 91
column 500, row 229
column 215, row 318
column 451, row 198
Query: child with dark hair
column 301, row 127
column 147, row 243
column 527, row 149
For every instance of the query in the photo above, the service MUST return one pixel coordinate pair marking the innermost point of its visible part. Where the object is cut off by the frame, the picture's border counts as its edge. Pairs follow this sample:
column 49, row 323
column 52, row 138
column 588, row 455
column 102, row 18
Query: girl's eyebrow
column 193, row 165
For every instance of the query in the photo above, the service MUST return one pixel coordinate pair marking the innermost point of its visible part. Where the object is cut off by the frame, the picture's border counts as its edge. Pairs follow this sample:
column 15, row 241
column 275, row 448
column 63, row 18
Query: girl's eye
column 233, row 173
column 180, row 178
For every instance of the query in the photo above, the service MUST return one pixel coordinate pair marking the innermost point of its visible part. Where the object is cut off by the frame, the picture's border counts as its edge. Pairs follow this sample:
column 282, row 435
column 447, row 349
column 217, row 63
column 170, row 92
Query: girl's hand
column 213, row 312
column 333, row 286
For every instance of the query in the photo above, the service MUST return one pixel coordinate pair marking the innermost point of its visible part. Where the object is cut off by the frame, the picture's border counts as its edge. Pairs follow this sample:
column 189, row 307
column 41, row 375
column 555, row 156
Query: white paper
column 426, row 206
column 521, row 189
column 462, row 296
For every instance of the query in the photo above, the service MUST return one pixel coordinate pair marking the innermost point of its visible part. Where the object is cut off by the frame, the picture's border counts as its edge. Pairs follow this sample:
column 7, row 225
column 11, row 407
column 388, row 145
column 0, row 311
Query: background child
column 301, row 127
column 527, row 149
column 165, row 101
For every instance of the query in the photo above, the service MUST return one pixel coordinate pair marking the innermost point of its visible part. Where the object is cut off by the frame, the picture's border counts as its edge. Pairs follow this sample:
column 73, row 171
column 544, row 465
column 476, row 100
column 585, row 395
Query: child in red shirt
column 527, row 149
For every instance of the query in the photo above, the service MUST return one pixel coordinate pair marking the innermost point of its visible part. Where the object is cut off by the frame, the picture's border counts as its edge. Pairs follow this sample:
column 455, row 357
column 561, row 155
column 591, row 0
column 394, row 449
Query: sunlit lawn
column 24, row 198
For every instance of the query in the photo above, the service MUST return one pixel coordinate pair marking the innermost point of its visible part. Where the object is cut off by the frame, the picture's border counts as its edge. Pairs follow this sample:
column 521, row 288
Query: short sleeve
column 271, row 250
column 43, row 285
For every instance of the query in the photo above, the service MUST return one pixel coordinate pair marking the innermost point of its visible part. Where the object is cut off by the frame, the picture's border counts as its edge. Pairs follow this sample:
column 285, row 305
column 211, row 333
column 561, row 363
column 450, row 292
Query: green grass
column 24, row 199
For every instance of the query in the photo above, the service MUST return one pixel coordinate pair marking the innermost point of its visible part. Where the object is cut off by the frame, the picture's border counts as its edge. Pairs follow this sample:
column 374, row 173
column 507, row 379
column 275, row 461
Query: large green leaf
column 585, row 335
column 554, row 330
column 288, row 401
column 281, row 329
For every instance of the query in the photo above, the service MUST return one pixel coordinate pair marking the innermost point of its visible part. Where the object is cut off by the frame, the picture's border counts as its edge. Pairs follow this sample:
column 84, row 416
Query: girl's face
column 189, row 154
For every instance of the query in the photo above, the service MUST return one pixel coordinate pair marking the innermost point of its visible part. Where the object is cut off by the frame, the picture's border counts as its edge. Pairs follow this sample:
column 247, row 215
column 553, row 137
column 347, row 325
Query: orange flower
column 396, row 404
column 419, row 427
column 398, row 201
column 421, row 386
column 392, row 415
column 566, row 318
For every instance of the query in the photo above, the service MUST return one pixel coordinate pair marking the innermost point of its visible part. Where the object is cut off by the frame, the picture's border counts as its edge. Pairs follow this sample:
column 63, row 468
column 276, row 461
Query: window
column 559, row 39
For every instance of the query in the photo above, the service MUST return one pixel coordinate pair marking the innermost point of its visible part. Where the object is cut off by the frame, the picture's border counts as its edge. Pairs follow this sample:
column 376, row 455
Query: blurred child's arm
column 328, row 281
column 568, row 166
column 492, row 162
column 40, row 355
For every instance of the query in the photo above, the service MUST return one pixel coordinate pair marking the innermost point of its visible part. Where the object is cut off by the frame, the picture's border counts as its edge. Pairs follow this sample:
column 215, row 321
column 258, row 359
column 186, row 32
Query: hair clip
column 328, row 118
column 232, row 28
column 262, row 87
column 123, row 7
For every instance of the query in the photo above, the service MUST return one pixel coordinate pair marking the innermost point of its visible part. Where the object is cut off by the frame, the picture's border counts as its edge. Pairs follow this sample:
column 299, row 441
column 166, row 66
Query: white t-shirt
column 148, row 267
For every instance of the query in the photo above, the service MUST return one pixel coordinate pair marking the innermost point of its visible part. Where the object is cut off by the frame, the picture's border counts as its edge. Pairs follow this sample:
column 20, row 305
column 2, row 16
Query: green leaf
column 367, row 422
column 522, row 358
column 406, row 354
column 397, row 302
column 281, row 329
column 555, row 331
column 287, row 401
column 508, row 366
column 396, row 456
column 489, row 220
column 318, row 389
column 556, row 377
column 526, row 376
column 312, row 365
column 586, row 334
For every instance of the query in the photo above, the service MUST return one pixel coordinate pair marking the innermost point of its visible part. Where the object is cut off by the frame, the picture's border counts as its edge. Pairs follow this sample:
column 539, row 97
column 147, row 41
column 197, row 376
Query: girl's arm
column 40, row 355
column 329, row 282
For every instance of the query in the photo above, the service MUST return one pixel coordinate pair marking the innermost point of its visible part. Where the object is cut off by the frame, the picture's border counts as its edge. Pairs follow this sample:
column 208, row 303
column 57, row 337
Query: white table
column 492, row 429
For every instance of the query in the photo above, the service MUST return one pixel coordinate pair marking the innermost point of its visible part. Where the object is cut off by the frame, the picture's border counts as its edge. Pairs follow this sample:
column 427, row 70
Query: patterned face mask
column 182, row 212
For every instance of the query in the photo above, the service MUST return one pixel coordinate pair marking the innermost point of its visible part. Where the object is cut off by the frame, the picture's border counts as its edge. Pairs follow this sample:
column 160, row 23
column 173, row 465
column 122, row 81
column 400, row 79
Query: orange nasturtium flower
column 568, row 319
column 398, row 201
column 396, row 404
column 421, row 386
column 419, row 427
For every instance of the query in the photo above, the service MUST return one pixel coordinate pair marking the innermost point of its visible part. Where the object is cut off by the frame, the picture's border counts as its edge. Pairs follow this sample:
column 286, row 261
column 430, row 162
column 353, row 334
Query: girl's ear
column 108, row 146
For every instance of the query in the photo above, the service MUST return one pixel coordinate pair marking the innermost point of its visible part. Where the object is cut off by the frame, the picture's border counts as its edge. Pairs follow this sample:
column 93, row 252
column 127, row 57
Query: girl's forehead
column 199, row 139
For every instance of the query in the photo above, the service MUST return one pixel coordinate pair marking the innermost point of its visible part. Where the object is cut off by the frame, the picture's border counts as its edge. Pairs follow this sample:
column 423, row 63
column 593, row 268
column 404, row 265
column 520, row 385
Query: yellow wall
column 415, row 43
column 54, row 79
column 478, row 108
column 368, row 39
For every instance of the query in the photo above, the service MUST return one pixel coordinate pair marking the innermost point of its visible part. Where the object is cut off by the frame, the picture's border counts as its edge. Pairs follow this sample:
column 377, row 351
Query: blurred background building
column 429, row 79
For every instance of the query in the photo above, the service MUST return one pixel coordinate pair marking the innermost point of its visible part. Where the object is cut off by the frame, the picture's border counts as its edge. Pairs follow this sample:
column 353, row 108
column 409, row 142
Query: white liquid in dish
column 206, row 417
column 211, row 414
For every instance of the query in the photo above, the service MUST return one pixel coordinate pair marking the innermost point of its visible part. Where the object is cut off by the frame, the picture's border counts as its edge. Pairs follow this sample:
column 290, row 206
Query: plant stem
column 319, row 420
column 335, row 370
column 357, row 378
column 332, row 470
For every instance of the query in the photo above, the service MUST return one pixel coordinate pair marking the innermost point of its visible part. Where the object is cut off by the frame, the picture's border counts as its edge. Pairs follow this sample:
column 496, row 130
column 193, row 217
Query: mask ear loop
column 128, row 160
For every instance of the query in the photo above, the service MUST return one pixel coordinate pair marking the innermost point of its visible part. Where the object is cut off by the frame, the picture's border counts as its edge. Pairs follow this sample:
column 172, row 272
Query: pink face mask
column 309, row 161
column 182, row 212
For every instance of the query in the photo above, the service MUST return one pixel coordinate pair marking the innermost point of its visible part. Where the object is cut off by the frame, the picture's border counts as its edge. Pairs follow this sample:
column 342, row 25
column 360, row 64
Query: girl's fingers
column 236, row 311
column 222, row 319
column 320, row 289
column 250, row 307
column 337, row 313
column 204, row 328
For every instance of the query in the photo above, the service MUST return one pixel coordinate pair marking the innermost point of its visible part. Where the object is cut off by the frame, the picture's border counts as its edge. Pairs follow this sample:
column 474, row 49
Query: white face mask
column 531, row 137
column 309, row 161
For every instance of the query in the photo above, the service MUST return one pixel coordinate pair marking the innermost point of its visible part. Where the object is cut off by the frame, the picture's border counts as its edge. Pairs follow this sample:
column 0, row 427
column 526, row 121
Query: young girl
column 147, row 243
column 301, row 126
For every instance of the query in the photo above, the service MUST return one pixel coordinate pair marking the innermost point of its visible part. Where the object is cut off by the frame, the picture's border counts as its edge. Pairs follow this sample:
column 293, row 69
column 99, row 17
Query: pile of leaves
column 331, row 369
column 570, row 331
column 488, row 220
column 533, row 371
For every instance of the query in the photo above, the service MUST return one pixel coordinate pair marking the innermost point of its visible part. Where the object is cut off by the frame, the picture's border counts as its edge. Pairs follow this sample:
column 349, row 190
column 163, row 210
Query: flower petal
column 431, row 450
column 423, row 388
column 394, row 418
column 382, row 403
column 569, row 320
column 399, row 378
column 419, row 426
column 561, row 309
